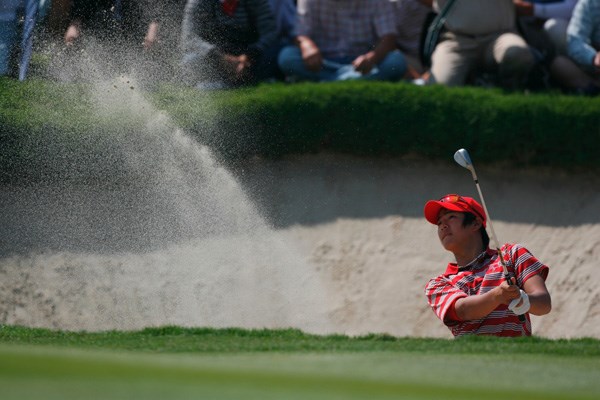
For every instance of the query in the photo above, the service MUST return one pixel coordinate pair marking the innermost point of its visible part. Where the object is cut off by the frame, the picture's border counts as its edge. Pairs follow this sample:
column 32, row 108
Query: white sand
column 350, row 253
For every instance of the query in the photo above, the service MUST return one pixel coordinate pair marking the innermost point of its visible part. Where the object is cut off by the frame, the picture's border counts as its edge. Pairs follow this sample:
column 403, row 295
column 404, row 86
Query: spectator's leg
column 291, row 64
column 8, row 36
column 452, row 60
column 392, row 68
column 200, row 71
column 556, row 29
column 512, row 57
column 571, row 77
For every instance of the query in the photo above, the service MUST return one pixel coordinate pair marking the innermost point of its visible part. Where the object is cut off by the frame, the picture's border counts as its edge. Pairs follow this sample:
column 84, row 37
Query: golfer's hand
column 505, row 293
column 597, row 60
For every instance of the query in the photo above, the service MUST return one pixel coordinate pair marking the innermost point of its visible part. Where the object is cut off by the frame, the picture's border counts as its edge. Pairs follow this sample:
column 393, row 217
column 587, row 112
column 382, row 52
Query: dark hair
column 468, row 220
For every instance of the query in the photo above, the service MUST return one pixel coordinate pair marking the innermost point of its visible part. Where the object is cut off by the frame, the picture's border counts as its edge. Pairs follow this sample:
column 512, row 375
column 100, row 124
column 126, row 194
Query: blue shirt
column 583, row 33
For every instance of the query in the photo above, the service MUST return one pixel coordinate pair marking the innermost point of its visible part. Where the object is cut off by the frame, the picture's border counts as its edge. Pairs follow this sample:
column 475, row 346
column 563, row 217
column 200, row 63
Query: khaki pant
column 457, row 56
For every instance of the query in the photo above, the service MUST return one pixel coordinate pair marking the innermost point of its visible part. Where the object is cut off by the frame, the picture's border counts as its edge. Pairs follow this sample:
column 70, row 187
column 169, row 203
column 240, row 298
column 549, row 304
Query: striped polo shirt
column 479, row 277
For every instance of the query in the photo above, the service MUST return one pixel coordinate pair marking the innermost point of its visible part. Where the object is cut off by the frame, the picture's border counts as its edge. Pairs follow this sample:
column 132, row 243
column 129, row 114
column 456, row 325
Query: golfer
column 473, row 297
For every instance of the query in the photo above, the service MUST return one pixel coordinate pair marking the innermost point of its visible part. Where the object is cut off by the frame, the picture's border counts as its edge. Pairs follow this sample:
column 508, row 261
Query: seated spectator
column 224, row 42
column 543, row 24
column 355, row 39
column 111, row 34
column 113, row 21
column 284, row 12
column 10, row 11
column 480, row 36
column 411, row 17
column 164, row 27
column 161, row 41
column 583, row 37
column 554, row 16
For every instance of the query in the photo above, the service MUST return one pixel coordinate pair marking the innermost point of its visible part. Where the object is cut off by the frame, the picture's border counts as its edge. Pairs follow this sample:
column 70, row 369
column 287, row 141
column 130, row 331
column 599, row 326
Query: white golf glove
column 523, row 307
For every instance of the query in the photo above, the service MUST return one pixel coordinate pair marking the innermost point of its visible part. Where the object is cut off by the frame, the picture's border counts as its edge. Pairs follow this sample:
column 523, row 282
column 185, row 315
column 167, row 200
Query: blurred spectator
column 118, row 22
column 411, row 16
column 543, row 24
column 18, row 19
column 284, row 12
column 583, row 39
column 161, row 40
column 224, row 42
column 10, row 12
column 552, row 15
column 164, row 27
column 480, row 36
column 336, row 40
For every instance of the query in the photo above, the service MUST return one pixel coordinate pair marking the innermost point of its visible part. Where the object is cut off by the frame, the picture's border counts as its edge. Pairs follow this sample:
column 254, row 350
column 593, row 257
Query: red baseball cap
column 453, row 202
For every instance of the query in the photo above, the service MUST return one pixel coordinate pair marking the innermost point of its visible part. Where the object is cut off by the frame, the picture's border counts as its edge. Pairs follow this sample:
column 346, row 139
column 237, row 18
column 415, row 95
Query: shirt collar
column 453, row 268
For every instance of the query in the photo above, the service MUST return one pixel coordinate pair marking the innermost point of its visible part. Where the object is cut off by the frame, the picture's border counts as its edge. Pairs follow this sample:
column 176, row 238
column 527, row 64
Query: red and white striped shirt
column 480, row 277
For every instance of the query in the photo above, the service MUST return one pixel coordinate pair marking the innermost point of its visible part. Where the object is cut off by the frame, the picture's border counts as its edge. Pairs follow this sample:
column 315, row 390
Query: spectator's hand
column 151, row 37
column 311, row 55
column 364, row 63
column 505, row 293
column 236, row 66
column 72, row 34
column 597, row 60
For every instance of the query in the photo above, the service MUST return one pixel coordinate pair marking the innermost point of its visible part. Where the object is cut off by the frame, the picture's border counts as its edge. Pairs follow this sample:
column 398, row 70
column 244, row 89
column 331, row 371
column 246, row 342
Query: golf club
column 464, row 160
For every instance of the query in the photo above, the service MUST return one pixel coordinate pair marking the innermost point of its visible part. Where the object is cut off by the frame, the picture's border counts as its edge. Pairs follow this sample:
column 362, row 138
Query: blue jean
column 8, row 31
column 393, row 67
column 8, row 38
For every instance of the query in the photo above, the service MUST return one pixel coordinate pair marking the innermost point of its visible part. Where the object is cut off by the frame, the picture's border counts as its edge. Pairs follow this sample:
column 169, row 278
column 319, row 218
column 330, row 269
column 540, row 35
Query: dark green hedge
column 39, row 119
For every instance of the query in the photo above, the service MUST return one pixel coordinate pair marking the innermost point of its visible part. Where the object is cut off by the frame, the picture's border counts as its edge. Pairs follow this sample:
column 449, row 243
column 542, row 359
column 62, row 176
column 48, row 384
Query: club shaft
column 489, row 223
column 493, row 233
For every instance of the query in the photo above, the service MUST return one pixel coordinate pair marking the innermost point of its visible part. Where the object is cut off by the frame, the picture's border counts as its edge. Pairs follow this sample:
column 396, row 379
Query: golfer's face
column 451, row 231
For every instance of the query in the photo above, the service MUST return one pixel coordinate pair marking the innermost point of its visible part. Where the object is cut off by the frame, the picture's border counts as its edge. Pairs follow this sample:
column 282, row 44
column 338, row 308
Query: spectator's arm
column 579, row 35
column 559, row 9
column 366, row 62
column 311, row 54
column 73, row 32
column 524, row 8
column 151, row 35
column 265, row 25
column 191, row 41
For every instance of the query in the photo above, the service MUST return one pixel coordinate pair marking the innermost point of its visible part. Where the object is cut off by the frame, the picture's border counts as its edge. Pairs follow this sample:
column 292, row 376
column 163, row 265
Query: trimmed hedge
column 40, row 119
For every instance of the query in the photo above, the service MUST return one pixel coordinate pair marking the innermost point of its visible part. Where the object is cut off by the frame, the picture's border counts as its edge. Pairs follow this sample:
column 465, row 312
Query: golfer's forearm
column 475, row 307
column 540, row 303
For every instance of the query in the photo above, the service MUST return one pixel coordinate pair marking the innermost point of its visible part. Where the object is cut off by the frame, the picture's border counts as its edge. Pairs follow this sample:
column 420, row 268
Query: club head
column 462, row 158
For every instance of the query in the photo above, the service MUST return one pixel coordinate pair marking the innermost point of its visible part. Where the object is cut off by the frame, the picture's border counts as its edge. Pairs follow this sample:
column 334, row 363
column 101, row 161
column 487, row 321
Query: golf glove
column 523, row 308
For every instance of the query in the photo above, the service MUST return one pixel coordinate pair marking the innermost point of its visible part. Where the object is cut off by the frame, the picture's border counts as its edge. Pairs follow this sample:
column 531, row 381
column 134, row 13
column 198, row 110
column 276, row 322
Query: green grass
column 181, row 363
column 40, row 117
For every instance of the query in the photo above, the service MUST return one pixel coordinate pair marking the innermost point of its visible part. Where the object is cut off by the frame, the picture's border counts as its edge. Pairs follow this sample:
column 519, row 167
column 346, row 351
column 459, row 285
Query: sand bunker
column 344, row 248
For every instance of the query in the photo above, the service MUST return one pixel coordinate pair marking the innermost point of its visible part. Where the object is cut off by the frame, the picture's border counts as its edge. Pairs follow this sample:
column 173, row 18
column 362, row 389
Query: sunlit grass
column 177, row 363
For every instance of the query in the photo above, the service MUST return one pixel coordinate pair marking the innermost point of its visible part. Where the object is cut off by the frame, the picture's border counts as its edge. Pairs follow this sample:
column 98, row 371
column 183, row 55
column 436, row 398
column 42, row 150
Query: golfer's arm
column 476, row 307
column 539, row 297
